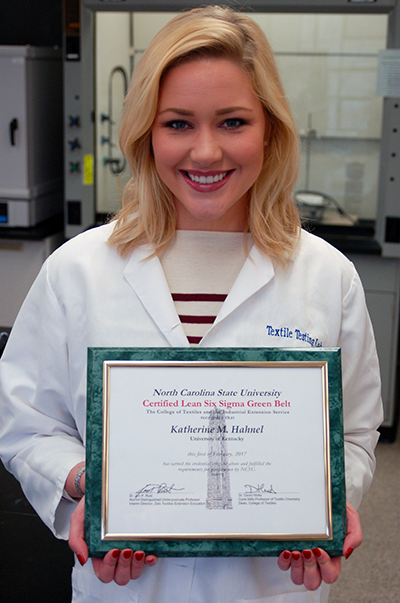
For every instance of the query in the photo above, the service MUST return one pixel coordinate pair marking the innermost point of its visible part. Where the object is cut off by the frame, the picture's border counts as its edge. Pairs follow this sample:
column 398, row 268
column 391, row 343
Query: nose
column 206, row 149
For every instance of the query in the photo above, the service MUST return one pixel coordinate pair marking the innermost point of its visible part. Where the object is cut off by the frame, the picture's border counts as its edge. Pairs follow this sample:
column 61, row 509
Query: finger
column 284, row 560
column 151, row 560
column 123, row 570
column 329, row 566
column 105, row 568
column 137, row 565
column 312, row 575
column 354, row 536
column 77, row 532
column 297, row 568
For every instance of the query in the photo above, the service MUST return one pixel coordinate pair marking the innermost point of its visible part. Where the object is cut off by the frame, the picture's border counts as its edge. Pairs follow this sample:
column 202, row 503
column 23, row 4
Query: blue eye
column 177, row 124
column 233, row 123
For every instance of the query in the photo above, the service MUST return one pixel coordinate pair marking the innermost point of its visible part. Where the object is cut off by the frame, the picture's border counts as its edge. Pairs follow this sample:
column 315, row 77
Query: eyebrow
column 218, row 112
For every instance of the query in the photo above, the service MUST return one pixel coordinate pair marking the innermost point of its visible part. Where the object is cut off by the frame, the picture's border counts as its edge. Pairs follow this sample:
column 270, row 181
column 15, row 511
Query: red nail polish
column 317, row 552
column 286, row 555
column 139, row 555
column 307, row 555
column 296, row 556
column 115, row 553
column 348, row 553
column 127, row 554
column 81, row 559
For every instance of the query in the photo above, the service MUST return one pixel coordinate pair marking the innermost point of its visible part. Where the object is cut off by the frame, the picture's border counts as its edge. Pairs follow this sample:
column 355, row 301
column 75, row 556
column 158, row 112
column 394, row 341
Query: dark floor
column 35, row 567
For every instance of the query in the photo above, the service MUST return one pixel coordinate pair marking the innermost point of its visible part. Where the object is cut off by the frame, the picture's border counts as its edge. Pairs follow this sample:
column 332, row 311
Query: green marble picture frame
column 187, row 544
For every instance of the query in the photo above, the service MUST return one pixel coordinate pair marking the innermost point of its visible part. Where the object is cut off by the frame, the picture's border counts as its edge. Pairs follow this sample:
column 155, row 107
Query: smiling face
column 208, row 142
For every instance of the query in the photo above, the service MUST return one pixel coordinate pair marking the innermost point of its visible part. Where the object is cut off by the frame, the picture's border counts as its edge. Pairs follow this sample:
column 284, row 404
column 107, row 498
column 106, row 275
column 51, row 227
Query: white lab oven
column 31, row 129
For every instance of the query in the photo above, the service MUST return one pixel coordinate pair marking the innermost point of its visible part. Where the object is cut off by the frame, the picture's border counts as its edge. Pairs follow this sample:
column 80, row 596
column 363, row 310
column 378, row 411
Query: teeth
column 206, row 179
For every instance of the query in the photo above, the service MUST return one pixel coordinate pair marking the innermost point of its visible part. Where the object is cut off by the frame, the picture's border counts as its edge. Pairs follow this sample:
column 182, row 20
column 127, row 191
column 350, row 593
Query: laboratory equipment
column 31, row 167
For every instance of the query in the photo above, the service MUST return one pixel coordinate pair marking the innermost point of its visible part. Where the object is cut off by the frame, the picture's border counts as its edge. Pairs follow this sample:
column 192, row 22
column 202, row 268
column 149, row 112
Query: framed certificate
column 214, row 451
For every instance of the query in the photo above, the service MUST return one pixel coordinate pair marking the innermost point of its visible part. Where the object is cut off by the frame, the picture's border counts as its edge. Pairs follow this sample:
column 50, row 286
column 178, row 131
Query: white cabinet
column 381, row 280
column 20, row 262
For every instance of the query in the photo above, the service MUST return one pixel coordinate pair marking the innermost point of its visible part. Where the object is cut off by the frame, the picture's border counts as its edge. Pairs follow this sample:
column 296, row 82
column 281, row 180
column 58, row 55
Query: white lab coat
column 87, row 295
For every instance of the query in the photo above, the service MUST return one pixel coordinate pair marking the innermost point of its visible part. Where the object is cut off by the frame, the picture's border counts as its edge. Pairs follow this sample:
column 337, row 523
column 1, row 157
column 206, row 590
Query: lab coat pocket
column 306, row 596
column 87, row 588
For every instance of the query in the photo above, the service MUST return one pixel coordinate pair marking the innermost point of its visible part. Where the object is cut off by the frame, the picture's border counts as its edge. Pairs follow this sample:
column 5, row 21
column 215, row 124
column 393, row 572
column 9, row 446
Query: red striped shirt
column 203, row 317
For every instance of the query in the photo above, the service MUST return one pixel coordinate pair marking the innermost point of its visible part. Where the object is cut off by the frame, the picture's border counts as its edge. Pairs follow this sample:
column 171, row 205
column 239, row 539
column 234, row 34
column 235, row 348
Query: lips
column 206, row 181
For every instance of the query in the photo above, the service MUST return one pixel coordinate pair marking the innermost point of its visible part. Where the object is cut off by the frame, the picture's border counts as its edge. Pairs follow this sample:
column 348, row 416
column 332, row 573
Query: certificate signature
column 259, row 489
column 157, row 489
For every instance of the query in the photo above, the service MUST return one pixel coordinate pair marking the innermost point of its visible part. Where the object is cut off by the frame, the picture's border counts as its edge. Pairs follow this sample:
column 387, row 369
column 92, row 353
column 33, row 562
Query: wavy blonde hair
column 148, row 213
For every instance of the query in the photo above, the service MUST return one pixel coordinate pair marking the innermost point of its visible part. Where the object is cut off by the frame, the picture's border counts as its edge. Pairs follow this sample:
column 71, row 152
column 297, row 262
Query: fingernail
column 296, row 556
column 307, row 554
column 151, row 560
column 139, row 555
column 348, row 553
column 115, row 553
column 127, row 554
column 81, row 559
column 317, row 552
column 286, row 555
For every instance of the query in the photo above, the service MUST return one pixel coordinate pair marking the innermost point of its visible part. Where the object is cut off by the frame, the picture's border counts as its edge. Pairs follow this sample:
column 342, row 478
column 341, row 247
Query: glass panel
column 328, row 64
column 113, row 67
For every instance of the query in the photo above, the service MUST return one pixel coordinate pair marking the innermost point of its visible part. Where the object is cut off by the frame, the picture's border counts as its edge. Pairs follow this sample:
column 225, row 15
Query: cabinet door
column 380, row 277
column 382, row 307
column 14, row 157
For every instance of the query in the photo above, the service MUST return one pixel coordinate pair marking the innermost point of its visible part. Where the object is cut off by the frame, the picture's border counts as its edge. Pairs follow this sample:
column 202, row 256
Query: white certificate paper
column 215, row 450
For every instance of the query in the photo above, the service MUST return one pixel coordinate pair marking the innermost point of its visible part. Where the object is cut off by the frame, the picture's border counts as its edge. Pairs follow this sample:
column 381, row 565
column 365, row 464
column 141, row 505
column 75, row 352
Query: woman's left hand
column 311, row 567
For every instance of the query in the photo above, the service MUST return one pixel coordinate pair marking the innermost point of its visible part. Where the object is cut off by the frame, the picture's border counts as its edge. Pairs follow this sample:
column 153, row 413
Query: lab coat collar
column 257, row 271
column 147, row 279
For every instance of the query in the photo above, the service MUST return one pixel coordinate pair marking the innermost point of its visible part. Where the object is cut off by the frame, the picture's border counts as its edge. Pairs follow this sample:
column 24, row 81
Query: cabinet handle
column 13, row 127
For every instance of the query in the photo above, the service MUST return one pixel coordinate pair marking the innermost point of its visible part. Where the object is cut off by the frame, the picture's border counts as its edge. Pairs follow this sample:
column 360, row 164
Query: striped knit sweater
column 200, row 268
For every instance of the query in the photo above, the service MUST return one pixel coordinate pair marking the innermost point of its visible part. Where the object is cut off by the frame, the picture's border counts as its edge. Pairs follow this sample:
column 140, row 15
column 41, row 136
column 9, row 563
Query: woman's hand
column 120, row 566
column 313, row 567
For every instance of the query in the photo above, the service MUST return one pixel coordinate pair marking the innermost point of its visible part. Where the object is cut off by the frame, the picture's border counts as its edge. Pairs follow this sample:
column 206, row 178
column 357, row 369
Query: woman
column 207, row 215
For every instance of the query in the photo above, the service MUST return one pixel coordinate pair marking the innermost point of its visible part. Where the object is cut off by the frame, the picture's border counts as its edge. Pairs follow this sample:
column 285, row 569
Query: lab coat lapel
column 147, row 279
column 257, row 271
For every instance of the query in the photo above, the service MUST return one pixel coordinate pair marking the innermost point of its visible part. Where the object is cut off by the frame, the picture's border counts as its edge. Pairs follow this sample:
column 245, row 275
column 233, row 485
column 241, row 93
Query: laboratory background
column 64, row 70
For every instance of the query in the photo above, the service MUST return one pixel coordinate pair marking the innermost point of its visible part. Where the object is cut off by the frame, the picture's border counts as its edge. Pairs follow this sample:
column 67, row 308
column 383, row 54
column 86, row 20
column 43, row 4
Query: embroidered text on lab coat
column 295, row 334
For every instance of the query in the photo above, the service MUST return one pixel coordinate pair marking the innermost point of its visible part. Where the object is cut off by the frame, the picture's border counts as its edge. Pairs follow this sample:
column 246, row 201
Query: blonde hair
column 148, row 213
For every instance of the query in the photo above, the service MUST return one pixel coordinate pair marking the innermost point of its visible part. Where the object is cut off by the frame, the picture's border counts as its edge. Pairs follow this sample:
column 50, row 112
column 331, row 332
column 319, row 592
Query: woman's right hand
column 117, row 566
